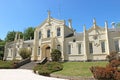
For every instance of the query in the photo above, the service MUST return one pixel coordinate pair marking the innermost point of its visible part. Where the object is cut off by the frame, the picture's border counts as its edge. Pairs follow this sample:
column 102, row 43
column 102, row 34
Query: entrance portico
column 46, row 52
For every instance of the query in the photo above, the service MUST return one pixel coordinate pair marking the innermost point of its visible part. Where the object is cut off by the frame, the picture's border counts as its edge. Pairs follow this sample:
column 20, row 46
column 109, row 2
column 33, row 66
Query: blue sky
column 17, row 15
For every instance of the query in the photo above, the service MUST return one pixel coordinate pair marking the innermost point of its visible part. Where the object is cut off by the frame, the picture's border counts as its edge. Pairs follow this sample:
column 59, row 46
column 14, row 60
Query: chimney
column 113, row 24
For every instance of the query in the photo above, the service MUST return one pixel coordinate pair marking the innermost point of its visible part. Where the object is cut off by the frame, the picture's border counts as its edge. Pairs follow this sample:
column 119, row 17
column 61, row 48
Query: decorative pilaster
column 85, row 44
column 34, row 55
column 107, row 37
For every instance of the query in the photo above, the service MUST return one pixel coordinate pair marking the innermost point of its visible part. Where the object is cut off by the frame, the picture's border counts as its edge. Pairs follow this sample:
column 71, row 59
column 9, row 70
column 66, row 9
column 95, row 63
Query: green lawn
column 79, row 68
column 6, row 64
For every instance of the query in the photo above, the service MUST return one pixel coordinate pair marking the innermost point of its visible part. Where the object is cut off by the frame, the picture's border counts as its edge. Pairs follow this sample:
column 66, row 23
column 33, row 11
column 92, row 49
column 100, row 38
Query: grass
column 79, row 68
column 6, row 64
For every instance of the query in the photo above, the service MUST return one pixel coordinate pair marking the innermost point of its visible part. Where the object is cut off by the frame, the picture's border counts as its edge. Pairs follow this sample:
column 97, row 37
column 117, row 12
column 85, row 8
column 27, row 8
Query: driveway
column 22, row 74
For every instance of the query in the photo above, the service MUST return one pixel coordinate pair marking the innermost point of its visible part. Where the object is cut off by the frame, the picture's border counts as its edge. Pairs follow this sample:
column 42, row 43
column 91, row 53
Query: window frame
column 39, row 34
column 79, row 48
column 103, row 46
column 38, row 51
column 91, row 48
column 59, row 47
column 48, row 33
column 69, row 49
column 117, row 44
column 58, row 31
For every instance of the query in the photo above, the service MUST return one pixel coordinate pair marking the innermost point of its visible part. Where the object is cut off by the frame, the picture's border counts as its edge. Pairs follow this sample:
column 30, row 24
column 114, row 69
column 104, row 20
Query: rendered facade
column 92, row 44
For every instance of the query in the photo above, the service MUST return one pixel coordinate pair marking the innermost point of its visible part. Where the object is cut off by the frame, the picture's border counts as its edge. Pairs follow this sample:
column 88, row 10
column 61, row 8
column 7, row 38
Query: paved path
column 29, row 66
column 22, row 74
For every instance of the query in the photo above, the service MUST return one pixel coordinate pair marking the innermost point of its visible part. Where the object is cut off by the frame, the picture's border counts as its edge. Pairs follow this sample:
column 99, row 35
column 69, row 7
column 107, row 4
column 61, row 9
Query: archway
column 46, row 52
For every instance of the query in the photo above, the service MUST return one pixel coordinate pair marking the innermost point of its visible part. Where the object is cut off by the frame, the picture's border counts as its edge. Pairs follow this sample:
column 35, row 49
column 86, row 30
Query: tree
column 118, row 25
column 11, row 36
column 2, row 44
column 56, row 55
column 29, row 33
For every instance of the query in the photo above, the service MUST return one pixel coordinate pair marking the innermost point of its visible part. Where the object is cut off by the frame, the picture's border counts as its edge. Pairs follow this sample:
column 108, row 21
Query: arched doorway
column 46, row 52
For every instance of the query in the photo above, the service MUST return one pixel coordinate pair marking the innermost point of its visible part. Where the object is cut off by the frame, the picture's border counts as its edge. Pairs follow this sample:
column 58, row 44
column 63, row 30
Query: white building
column 92, row 44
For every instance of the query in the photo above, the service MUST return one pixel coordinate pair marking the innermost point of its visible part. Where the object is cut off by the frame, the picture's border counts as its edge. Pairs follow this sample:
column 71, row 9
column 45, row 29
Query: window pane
column 103, row 46
column 38, row 50
column 59, row 47
column 58, row 31
column 90, row 47
column 48, row 33
column 40, row 35
column 79, row 48
column 69, row 49
column 116, row 45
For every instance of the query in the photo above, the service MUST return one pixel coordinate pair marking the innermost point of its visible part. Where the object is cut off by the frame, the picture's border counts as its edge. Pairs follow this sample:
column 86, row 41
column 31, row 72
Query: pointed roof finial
column 106, row 24
column 70, row 23
column 84, row 26
column 113, row 24
column 19, row 36
column 16, row 36
column 94, row 21
column 49, row 13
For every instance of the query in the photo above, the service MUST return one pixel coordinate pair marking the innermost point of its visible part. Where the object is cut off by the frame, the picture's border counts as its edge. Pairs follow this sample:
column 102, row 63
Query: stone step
column 29, row 66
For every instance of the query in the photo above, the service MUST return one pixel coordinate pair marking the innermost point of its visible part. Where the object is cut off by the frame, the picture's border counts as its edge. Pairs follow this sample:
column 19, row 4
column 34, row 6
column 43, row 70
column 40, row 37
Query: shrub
column 56, row 55
column 25, row 53
column 111, row 71
column 112, row 56
column 46, row 69
column 6, row 64
column 102, row 73
column 54, row 66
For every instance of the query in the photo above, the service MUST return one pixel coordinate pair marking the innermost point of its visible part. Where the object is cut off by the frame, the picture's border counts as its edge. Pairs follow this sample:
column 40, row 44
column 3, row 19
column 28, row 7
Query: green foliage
column 11, row 36
column 25, row 53
column 118, row 25
column 56, row 55
column 2, row 44
column 46, row 69
column 6, row 64
column 29, row 32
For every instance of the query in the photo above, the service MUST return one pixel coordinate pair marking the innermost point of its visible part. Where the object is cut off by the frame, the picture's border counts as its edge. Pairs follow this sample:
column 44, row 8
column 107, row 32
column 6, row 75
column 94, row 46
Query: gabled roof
column 51, row 19
column 114, row 29
column 95, row 28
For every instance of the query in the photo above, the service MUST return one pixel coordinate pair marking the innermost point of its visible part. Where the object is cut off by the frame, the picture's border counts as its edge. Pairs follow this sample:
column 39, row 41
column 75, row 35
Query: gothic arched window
column 59, row 47
column 38, row 50
column 58, row 32
column 48, row 33
column 39, row 34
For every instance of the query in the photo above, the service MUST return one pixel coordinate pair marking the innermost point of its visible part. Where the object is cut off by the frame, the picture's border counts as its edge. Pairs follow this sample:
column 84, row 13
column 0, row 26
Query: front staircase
column 29, row 66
